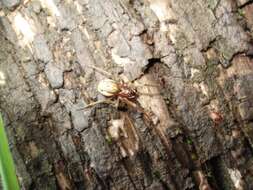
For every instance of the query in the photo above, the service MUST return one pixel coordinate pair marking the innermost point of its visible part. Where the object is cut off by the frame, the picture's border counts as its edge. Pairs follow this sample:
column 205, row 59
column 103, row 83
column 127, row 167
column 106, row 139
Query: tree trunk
column 192, row 128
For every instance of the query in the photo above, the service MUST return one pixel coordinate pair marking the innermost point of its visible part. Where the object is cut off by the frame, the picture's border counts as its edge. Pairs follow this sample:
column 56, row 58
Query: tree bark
column 190, row 129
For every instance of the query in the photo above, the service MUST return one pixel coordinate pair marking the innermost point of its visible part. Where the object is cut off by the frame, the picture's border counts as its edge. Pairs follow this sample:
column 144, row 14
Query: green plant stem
column 7, row 169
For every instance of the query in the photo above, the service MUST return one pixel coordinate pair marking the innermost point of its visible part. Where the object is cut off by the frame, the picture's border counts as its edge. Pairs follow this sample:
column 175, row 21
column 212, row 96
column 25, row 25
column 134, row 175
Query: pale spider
column 119, row 90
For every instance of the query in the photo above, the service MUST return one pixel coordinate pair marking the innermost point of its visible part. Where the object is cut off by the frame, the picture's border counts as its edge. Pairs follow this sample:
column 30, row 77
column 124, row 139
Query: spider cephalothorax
column 127, row 92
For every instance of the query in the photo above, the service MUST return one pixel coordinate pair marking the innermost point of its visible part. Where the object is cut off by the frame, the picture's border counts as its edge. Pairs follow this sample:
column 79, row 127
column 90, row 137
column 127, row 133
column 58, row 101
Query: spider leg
column 97, row 102
column 147, row 115
column 103, row 72
column 146, row 85
column 148, row 88
column 149, row 94
column 128, row 102
column 117, row 103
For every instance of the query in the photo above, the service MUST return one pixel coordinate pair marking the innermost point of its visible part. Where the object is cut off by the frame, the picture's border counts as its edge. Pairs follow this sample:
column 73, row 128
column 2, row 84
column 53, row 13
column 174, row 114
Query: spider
column 119, row 90
column 111, row 88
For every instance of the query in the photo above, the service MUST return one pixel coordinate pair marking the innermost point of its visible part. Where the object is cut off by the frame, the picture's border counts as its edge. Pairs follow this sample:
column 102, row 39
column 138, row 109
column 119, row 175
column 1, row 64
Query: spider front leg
column 148, row 89
column 106, row 101
column 103, row 72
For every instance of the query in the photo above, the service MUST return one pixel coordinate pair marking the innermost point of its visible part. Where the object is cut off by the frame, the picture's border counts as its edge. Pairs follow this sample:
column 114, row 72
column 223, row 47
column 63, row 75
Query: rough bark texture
column 198, row 54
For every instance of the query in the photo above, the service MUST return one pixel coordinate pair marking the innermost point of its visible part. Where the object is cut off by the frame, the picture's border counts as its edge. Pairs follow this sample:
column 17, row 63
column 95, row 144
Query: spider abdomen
column 108, row 87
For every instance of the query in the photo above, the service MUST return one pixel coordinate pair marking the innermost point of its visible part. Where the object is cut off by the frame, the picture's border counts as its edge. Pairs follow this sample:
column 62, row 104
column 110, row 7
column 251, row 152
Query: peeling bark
column 191, row 63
